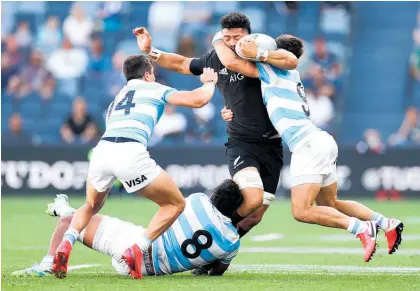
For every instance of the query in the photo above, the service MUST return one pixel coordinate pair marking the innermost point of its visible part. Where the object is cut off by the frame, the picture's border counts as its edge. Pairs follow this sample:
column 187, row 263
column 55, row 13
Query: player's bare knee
column 179, row 205
column 300, row 213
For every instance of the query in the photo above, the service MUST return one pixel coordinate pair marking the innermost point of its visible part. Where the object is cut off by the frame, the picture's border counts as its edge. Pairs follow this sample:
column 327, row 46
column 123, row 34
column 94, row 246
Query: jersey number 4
column 199, row 247
column 126, row 103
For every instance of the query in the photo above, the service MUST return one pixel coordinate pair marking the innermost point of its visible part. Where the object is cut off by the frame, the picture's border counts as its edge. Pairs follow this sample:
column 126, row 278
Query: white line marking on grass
column 322, row 269
column 344, row 237
column 77, row 267
column 303, row 250
column 267, row 237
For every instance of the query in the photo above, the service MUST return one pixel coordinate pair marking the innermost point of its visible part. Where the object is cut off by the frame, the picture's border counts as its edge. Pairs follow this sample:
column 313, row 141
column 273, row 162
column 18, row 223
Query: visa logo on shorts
column 136, row 181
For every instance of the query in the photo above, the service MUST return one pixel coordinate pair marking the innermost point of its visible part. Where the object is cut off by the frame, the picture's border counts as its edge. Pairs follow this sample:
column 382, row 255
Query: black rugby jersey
column 243, row 96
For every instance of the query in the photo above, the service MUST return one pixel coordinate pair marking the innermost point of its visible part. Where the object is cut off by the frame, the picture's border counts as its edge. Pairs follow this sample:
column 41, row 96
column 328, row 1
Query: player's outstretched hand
column 248, row 47
column 208, row 75
column 227, row 114
column 144, row 40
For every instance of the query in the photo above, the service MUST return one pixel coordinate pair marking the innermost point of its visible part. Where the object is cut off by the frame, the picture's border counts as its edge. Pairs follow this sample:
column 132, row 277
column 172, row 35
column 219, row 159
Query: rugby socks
column 242, row 232
column 236, row 218
column 46, row 263
column 381, row 220
column 357, row 226
column 71, row 235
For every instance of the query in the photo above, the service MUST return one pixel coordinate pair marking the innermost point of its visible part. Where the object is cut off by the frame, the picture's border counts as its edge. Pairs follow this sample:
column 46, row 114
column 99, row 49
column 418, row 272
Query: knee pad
column 248, row 179
column 268, row 198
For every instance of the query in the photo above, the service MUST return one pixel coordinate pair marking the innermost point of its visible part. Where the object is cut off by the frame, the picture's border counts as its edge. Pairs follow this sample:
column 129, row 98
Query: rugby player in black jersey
column 254, row 147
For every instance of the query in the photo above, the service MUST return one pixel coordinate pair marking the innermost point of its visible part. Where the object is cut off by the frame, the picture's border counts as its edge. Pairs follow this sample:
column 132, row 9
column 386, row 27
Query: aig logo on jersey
column 232, row 78
column 135, row 182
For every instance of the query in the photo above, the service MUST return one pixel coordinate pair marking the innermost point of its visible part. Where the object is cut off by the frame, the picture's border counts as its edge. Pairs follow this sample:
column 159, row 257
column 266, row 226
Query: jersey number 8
column 199, row 247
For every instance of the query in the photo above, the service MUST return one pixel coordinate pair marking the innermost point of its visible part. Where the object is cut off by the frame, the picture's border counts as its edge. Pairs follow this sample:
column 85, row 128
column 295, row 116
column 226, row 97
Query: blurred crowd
column 62, row 63
column 408, row 134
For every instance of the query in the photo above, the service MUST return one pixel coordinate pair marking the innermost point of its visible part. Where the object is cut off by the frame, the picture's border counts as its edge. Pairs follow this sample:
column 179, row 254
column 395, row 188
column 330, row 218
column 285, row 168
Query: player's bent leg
column 163, row 191
column 393, row 228
column 94, row 202
column 45, row 267
column 251, row 186
column 303, row 210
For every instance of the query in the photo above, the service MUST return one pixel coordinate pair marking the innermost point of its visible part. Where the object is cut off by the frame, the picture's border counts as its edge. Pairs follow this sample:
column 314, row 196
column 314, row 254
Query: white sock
column 47, row 262
column 381, row 220
column 356, row 226
column 71, row 235
column 144, row 243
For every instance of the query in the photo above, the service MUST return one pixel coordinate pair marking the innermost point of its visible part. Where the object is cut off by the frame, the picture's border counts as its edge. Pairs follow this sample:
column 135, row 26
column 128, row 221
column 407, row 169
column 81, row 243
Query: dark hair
column 227, row 197
column 291, row 44
column 235, row 20
column 135, row 66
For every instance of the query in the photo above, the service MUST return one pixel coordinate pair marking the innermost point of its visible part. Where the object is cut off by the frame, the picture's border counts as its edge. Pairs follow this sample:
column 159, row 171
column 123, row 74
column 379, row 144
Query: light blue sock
column 71, row 235
column 381, row 220
column 356, row 226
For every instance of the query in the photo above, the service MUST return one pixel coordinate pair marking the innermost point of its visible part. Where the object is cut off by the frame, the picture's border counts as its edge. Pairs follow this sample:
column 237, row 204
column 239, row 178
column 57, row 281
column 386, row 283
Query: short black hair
column 235, row 20
column 291, row 44
column 135, row 66
column 227, row 197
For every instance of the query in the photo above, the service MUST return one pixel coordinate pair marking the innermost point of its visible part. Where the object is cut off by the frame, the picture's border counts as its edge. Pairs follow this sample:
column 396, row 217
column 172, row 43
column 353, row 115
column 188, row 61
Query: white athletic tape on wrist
column 155, row 53
column 217, row 37
column 262, row 54
column 248, row 179
column 268, row 198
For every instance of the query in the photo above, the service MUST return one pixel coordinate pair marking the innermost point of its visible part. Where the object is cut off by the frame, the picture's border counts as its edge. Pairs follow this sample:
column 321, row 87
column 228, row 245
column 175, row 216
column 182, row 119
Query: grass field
column 279, row 254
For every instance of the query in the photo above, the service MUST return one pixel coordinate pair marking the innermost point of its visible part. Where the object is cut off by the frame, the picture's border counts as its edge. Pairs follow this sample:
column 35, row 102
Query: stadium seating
column 375, row 72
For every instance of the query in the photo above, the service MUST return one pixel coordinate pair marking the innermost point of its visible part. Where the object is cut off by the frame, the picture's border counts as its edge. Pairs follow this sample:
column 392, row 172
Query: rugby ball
column 263, row 41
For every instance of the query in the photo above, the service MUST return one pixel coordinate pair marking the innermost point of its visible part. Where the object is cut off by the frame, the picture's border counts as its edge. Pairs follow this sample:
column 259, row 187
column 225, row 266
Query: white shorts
column 314, row 160
column 113, row 237
column 130, row 162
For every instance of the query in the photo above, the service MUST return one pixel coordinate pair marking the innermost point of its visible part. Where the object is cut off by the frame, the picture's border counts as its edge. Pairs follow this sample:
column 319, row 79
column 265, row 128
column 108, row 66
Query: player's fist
column 144, row 40
column 208, row 75
column 227, row 114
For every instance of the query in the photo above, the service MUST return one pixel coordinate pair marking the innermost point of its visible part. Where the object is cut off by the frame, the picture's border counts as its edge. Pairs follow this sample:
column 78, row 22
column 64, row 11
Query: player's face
column 232, row 36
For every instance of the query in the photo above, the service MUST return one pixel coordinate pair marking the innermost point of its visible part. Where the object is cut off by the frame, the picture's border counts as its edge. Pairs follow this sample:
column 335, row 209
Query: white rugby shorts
column 129, row 162
column 314, row 160
column 113, row 237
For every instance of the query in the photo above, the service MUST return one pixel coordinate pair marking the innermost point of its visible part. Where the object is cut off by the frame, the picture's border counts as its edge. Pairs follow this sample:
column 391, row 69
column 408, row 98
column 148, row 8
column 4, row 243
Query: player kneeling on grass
column 314, row 152
column 202, row 236
column 122, row 154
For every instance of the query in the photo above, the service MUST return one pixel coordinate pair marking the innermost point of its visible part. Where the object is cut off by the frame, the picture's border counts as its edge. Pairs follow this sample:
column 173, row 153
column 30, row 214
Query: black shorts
column 267, row 157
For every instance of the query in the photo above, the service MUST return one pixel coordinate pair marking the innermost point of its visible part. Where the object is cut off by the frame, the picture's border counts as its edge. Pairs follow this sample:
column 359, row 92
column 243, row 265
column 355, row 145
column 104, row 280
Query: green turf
column 26, row 232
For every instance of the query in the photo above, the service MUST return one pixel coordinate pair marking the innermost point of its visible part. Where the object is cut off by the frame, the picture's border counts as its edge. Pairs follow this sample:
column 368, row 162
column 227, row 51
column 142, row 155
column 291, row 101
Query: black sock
column 236, row 218
column 242, row 232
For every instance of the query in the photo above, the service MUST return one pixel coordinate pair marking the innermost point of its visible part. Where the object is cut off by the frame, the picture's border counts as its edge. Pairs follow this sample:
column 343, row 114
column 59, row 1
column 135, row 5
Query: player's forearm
column 282, row 59
column 203, row 95
column 234, row 63
column 173, row 62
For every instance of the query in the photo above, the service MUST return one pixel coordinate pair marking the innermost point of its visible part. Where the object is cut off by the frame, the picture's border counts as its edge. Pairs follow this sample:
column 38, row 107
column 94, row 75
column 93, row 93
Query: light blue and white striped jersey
column 136, row 110
column 200, row 235
column 284, row 97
